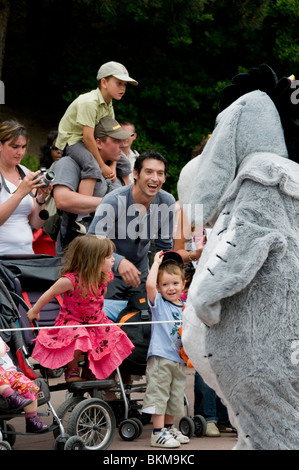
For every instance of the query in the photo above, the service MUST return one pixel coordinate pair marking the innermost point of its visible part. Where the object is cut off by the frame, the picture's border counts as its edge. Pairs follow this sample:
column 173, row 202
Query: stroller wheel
column 128, row 430
column 55, row 373
column 4, row 445
column 200, row 425
column 64, row 412
column 139, row 424
column 187, row 426
column 74, row 443
column 60, row 441
column 93, row 420
column 10, row 438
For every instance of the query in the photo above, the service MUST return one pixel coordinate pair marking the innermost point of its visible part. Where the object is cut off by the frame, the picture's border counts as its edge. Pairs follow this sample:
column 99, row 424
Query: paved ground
column 142, row 443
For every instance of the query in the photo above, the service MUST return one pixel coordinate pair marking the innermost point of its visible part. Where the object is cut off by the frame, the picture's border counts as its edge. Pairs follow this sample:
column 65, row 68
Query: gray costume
column 241, row 322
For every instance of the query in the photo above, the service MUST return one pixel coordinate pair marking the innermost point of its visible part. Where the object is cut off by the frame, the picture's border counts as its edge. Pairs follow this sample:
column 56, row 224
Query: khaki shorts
column 166, row 381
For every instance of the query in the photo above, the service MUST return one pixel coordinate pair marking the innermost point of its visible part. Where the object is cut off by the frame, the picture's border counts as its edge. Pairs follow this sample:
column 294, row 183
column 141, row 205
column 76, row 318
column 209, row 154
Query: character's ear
column 258, row 78
column 206, row 177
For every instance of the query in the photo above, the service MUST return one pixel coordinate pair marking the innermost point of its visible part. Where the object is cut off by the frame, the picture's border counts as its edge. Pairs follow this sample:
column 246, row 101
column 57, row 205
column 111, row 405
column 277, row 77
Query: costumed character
column 241, row 320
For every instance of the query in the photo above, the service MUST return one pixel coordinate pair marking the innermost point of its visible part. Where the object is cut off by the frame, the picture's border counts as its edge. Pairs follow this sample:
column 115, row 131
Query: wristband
column 39, row 203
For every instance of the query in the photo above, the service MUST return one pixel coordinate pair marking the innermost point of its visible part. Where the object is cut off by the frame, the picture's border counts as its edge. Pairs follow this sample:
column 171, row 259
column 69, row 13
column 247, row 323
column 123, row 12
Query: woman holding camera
column 22, row 195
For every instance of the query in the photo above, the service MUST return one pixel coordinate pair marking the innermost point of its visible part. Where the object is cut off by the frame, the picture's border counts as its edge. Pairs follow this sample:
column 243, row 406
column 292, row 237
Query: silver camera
column 49, row 177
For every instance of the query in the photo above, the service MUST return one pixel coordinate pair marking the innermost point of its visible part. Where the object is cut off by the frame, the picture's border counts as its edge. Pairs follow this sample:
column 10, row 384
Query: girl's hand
column 31, row 315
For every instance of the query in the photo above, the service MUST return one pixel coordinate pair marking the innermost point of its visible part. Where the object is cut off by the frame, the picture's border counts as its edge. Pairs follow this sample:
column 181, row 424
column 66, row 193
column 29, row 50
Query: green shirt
column 86, row 110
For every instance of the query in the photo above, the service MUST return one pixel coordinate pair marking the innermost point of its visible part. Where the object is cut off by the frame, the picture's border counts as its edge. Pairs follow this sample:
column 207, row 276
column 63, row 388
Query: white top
column 16, row 235
column 5, row 360
column 132, row 157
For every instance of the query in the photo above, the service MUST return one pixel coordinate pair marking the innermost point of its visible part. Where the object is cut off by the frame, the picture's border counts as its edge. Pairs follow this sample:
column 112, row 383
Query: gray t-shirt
column 68, row 173
column 118, row 218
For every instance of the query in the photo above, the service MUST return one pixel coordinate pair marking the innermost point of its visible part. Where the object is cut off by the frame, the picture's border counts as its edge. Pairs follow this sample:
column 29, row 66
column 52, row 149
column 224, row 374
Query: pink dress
column 106, row 346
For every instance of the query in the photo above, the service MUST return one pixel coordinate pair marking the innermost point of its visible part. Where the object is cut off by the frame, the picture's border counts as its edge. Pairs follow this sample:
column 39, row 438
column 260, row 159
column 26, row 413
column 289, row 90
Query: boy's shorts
column 166, row 381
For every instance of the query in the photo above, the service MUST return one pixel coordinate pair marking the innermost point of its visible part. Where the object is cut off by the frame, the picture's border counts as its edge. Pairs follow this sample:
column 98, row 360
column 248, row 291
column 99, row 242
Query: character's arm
column 238, row 248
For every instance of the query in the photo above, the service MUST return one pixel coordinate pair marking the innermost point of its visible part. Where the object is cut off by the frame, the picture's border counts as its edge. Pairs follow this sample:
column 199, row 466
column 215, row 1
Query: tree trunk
column 4, row 14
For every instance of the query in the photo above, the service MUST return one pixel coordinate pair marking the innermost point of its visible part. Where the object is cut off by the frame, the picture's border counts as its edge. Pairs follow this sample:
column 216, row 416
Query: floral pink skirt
column 105, row 346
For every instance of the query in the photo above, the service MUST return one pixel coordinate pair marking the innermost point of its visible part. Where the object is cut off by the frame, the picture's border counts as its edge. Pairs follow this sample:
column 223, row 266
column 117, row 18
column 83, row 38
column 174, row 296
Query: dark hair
column 147, row 155
column 171, row 267
column 199, row 148
column 127, row 123
column 46, row 159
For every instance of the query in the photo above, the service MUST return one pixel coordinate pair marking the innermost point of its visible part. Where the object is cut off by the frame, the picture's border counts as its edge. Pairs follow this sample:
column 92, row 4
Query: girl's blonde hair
column 85, row 255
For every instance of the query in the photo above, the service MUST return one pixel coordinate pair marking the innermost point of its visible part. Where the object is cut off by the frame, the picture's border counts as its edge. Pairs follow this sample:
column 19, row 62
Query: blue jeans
column 207, row 403
column 112, row 308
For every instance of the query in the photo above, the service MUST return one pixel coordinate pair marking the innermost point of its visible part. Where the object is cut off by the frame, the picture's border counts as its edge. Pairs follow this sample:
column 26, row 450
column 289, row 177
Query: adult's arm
column 28, row 185
column 166, row 212
column 70, row 201
column 181, row 238
column 240, row 243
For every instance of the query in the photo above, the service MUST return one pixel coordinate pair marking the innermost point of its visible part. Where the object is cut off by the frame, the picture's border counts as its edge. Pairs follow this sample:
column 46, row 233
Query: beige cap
column 108, row 127
column 116, row 70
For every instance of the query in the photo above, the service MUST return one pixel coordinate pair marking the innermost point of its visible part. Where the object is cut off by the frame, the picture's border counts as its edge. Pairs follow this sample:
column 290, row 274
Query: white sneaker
column 178, row 435
column 164, row 439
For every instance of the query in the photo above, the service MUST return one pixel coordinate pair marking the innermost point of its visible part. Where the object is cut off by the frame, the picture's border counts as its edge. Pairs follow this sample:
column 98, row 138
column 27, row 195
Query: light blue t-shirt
column 165, row 338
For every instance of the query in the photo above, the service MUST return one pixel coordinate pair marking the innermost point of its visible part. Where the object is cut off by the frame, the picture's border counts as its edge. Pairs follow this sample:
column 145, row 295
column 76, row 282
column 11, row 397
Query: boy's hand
column 31, row 315
column 108, row 173
column 159, row 257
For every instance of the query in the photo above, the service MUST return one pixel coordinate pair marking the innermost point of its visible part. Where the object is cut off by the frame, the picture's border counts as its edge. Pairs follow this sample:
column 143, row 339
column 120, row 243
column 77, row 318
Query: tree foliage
column 182, row 52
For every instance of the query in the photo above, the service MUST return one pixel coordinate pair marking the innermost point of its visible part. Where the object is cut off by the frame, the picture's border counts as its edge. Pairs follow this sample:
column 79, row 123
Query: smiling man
column 133, row 215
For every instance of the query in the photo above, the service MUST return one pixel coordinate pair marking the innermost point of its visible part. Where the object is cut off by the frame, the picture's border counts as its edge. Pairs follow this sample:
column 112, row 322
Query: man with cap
column 76, row 128
column 77, row 209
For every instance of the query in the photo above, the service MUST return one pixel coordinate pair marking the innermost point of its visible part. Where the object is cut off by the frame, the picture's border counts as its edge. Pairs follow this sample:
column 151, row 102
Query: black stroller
column 85, row 413
column 10, row 334
column 89, row 421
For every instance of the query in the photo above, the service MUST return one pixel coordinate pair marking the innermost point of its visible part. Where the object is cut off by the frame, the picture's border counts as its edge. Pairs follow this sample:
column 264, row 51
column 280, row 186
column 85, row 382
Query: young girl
column 20, row 391
column 86, row 273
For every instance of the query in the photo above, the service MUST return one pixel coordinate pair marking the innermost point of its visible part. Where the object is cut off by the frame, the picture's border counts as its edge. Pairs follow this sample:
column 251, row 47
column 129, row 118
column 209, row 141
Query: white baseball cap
column 116, row 70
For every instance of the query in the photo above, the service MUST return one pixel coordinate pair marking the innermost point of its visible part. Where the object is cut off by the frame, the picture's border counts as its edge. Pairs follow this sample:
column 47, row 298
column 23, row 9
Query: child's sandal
column 72, row 374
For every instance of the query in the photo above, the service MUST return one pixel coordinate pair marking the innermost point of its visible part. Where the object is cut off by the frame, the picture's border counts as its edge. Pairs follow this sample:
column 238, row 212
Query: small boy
column 78, row 123
column 166, row 370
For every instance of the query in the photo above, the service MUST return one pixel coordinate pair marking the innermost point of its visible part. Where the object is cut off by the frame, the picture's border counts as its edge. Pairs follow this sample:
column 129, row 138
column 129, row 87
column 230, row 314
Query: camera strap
column 3, row 182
